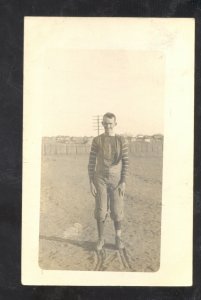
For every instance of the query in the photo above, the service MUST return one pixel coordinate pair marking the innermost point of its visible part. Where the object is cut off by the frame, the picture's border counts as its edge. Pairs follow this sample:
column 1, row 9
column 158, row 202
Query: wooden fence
column 138, row 148
column 141, row 148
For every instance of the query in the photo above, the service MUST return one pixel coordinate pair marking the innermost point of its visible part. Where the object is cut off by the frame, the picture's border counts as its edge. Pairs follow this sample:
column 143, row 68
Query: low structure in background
column 139, row 145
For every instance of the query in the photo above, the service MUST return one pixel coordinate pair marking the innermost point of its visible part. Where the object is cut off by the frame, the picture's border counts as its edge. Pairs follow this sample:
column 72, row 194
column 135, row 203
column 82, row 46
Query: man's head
column 109, row 122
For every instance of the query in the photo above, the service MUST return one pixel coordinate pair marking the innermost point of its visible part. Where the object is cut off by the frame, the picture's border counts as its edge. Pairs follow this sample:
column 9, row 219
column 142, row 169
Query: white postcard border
column 175, row 38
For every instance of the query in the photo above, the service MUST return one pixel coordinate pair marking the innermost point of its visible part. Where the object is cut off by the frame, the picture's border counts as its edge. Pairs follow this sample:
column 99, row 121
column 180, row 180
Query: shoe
column 119, row 243
column 100, row 244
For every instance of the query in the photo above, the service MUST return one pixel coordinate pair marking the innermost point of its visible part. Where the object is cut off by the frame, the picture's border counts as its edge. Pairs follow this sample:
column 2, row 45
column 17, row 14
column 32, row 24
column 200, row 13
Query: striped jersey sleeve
column 125, row 160
column 92, row 159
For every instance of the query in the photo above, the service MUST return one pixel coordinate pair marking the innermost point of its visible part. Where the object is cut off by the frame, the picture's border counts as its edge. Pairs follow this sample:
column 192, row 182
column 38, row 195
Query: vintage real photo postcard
column 108, row 151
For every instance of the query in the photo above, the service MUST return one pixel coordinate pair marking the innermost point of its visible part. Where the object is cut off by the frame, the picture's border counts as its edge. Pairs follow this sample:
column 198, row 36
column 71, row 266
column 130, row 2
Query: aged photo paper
column 108, row 151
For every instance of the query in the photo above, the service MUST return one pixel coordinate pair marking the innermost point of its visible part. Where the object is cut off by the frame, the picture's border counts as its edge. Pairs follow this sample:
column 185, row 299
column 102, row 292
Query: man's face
column 109, row 124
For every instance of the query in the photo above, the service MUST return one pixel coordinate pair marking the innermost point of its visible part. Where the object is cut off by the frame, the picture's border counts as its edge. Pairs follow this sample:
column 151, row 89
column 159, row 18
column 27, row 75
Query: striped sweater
column 106, row 154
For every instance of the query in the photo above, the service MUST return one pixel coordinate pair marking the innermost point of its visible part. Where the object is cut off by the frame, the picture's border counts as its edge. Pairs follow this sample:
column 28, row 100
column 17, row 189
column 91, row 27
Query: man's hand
column 121, row 188
column 93, row 189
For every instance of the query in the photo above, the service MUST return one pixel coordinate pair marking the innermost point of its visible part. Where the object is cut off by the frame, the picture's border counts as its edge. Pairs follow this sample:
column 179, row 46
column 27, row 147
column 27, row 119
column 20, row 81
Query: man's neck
column 110, row 134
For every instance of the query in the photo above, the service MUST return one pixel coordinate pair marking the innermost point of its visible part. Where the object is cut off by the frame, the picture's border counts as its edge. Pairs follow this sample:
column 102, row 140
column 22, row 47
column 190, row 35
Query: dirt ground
column 67, row 226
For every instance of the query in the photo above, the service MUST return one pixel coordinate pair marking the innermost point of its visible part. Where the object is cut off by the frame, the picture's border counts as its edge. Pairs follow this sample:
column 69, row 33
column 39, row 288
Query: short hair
column 110, row 116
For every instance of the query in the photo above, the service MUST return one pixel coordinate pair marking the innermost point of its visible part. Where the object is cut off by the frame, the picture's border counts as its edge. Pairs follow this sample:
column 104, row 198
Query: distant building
column 76, row 140
column 60, row 139
column 147, row 138
column 157, row 136
column 133, row 139
column 139, row 137
column 67, row 139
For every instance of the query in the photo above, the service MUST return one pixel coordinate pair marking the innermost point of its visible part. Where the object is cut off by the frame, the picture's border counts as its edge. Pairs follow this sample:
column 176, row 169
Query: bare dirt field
column 68, row 228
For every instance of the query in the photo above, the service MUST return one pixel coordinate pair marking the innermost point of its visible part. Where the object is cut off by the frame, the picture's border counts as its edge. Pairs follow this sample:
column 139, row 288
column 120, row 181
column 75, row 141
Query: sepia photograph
column 101, row 175
column 108, row 151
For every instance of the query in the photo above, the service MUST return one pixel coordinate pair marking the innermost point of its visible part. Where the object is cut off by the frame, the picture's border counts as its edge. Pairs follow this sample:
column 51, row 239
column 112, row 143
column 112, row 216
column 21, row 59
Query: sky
column 80, row 84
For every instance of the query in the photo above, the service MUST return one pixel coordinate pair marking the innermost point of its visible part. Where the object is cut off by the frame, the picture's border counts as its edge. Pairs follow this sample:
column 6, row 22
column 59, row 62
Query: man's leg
column 116, row 205
column 117, row 226
column 118, row 241
column 100, row 210
column 100, row 227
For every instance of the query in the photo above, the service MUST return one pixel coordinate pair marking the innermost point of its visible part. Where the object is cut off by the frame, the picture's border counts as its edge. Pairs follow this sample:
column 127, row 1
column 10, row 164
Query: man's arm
column 125, row 161
column 92, row 166
column 92, row 160
column 124, row 171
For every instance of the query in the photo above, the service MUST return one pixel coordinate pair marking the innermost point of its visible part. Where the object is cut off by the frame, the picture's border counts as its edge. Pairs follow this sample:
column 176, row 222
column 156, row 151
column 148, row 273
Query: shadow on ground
column 86, row 245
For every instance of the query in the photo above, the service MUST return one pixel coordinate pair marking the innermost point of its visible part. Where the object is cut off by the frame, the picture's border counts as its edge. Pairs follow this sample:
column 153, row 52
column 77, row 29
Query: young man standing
column 108, row 169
